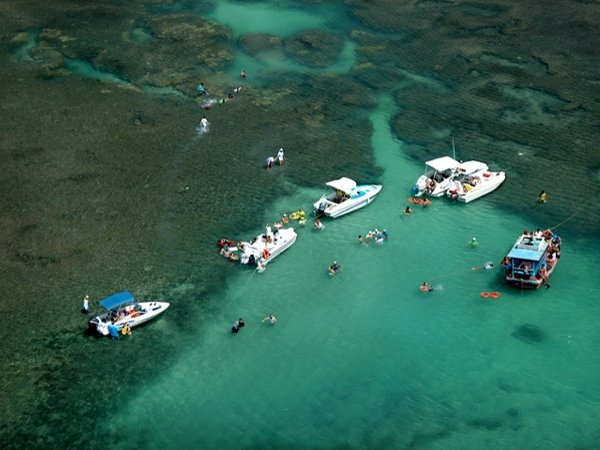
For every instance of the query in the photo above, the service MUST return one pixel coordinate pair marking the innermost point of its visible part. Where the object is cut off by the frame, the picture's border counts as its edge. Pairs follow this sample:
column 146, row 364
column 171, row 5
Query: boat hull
column 532, row 260
column 329, row 208
column 133, row 316
column 489, row 183
column 253, row 253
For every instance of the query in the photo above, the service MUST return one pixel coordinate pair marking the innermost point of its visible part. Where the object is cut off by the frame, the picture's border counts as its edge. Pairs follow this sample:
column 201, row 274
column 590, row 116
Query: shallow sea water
column 366, row 360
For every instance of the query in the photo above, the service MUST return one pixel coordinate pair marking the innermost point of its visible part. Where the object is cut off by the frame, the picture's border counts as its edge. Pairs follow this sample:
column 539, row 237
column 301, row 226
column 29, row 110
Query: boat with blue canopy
column 532, row 259
column 122, row 309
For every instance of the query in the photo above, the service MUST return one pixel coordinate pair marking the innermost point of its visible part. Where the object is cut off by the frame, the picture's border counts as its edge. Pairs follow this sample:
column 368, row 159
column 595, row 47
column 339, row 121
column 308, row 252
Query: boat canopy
column 443, row 163
column 117, row 300
column 529, row 248
column 470, row 167
column 346, row 185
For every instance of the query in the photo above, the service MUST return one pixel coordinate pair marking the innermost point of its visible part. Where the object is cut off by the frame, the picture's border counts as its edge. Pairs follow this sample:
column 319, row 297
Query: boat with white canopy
column 346, row 197
column 436, row 179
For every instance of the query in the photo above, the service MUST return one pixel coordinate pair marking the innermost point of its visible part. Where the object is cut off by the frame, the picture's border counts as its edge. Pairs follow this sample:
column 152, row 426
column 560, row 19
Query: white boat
column 467, row 187
column 435, row 181
column 265, row 247
column 346, row 197
column 122, row 309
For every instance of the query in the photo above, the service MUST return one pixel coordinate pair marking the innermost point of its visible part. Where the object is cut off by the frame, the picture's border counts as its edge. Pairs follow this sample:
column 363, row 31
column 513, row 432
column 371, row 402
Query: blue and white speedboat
column 345, row 198
column 122, row 309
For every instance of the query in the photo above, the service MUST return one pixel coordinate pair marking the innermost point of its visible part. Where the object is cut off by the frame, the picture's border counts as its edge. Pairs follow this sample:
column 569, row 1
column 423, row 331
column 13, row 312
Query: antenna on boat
column 453, row 149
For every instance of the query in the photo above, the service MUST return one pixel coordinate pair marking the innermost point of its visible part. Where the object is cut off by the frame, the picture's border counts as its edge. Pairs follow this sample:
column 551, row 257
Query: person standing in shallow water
column 86, row 305
column 237, row 325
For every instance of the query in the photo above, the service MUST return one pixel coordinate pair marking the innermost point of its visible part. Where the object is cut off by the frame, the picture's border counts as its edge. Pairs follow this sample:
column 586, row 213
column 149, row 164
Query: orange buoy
column 494, row 294
column 484, row 295
column 412, row 200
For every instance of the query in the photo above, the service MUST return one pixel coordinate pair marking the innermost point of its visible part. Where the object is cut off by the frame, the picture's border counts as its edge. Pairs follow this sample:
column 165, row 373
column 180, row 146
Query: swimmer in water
column 426, row 287
column 271, row 319
column 334, row 268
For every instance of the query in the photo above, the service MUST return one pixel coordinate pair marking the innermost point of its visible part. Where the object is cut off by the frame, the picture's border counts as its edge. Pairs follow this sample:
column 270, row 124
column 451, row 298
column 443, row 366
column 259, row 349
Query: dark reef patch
column 528, row 333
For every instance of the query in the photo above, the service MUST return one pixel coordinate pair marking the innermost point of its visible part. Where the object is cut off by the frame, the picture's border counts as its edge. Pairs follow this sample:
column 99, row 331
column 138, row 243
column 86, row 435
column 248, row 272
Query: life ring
column 484, row 295
column 266, row 254
column 487, row 175
column 424, row 288
column 494, row 294
column 412, row 200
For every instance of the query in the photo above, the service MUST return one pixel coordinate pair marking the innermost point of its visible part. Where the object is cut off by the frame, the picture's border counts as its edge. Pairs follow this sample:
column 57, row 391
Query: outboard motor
column 321, row 209
column 252, row 260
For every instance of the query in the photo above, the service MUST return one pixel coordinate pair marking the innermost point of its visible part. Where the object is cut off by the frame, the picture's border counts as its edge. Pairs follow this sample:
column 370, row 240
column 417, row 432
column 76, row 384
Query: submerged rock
column 528, row 333
column 315, row 48
column 255, row 43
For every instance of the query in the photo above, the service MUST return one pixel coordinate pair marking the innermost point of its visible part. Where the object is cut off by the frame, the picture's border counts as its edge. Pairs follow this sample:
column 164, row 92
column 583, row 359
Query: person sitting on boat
column 526, row 267
column 268, row 233
column 430, row 185
column 126, row 330
column 543, row 273
column 506, row 263
column 334, row 268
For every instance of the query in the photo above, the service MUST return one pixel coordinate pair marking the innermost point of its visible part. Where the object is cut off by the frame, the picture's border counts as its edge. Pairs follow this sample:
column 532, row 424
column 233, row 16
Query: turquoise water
column 365, row 359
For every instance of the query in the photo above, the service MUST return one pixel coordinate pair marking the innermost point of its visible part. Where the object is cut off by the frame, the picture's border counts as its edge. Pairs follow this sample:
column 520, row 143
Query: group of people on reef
column 280, row 158
column 208, row 103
